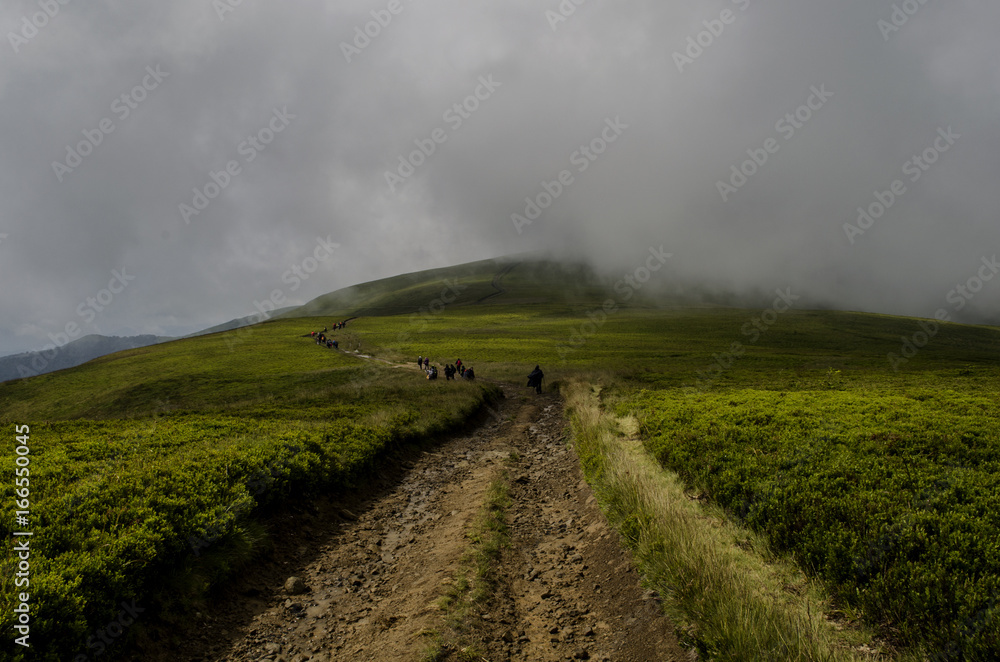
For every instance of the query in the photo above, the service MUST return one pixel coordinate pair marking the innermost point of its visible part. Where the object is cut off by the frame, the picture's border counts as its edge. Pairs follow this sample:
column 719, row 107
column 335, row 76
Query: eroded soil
column 374, row 568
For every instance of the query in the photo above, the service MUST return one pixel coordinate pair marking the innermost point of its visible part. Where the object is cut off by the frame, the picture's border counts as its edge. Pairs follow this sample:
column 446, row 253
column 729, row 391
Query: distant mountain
column 72, row 354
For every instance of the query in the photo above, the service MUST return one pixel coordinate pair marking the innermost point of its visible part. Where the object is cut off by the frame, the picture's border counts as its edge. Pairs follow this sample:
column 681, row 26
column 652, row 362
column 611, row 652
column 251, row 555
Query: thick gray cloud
column 551, row 88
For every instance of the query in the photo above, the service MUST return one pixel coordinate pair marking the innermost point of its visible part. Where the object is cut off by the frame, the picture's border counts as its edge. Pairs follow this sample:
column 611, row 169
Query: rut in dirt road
column 374, row 571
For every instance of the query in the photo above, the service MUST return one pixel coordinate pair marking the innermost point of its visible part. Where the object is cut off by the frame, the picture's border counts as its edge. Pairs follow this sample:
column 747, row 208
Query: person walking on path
column 535, row 379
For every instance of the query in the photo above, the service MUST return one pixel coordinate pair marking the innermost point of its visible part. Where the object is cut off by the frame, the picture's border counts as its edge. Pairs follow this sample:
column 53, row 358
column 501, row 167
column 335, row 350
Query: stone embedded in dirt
column 295, row 586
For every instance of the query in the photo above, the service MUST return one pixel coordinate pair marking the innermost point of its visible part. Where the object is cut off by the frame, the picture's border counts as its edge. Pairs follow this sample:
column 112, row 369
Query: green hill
column 520, row 280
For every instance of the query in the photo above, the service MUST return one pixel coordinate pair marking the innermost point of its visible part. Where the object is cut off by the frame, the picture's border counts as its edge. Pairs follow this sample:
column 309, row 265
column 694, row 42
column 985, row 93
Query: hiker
column 461, row 370
column 535, row 379
column 427, row 363
column 469, row 374
column 449, row 372
column 420, row 362
column 432, row 373
column 336, row 345
column 458, row 364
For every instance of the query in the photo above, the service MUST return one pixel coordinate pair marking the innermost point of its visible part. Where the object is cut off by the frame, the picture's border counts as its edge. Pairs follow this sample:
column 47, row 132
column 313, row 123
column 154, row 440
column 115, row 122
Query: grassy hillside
column 524, row 281
column 683, row 348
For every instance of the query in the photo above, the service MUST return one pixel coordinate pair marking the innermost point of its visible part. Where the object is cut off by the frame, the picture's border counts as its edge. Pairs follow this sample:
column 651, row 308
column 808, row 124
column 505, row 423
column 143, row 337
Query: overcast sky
column 309, row 114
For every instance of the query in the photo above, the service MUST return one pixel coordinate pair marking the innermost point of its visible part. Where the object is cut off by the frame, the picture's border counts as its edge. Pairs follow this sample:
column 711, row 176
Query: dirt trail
column 374, row 569
column 495, row 283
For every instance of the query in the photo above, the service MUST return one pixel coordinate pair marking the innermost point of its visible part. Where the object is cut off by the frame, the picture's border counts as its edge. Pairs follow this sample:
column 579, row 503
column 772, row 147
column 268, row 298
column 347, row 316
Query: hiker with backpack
column 535, row 379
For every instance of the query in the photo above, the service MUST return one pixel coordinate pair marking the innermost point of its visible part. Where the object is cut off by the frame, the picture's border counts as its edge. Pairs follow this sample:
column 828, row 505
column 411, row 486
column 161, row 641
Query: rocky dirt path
column 373, row 569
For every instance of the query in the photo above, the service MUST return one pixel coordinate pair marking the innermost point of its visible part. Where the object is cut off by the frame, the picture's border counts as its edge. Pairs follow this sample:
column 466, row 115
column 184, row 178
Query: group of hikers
column 450, row 370
column 534, row 377
column 321, row 338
